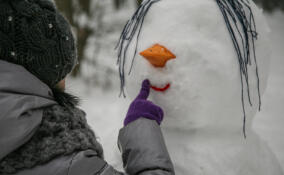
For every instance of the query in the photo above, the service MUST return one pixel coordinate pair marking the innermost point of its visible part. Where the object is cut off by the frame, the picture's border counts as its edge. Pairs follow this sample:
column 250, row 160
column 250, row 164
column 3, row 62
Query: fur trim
column 63, row 131
column 65, row 99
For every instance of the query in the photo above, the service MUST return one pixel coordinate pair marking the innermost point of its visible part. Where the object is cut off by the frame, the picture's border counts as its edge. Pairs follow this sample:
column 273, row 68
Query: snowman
column 207, row 61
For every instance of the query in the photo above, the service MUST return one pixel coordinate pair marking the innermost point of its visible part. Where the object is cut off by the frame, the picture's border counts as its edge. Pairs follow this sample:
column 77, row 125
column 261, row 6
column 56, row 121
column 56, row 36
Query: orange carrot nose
column 158, row 55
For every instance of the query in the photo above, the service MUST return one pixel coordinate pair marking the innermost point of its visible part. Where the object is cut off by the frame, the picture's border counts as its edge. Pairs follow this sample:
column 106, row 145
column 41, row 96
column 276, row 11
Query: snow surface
column 106, row 111
column 269, row 122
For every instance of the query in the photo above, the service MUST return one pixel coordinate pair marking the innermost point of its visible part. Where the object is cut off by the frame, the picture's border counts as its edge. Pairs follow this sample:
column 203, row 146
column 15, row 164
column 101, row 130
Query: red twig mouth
column 161, row 89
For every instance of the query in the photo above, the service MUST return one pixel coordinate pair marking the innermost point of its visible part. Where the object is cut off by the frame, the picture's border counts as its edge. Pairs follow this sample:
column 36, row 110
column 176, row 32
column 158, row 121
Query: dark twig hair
column 241, row 24
column 239, row 20
column 133, row 26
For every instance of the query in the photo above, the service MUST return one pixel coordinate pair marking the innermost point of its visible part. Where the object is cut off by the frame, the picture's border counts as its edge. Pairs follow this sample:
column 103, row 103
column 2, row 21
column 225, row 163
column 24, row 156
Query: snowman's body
column 203, row 124
column 212, row 153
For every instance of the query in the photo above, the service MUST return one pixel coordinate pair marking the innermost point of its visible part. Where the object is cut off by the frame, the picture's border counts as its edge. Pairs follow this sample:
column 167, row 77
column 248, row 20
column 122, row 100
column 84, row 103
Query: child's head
column 35, row 35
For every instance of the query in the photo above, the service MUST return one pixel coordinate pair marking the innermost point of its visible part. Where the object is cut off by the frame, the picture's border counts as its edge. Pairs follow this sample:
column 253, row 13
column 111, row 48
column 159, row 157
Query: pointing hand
column 141, row 107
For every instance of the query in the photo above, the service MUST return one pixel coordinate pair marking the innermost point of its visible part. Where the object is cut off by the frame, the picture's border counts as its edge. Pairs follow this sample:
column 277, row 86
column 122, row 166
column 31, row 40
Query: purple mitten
column 141, row 107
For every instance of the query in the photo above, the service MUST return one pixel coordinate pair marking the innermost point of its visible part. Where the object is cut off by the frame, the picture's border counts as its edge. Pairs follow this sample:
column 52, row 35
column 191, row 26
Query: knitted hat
column 35, row 35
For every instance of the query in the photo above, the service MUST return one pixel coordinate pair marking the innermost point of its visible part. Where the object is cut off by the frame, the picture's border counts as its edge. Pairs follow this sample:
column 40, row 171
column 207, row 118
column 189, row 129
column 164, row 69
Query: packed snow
column 106, row 110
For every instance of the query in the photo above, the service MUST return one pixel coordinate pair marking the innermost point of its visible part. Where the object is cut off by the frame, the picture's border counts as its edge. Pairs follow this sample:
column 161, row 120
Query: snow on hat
column 35, row 35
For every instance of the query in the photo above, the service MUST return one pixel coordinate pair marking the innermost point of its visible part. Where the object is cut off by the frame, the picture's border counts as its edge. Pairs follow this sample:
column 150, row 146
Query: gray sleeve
column 144, row 150
column 80, row 163
column 109, row 170
column 88, row 163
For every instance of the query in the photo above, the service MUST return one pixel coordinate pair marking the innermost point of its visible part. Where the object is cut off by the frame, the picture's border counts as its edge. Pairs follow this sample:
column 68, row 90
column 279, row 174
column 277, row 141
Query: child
column 41, row 129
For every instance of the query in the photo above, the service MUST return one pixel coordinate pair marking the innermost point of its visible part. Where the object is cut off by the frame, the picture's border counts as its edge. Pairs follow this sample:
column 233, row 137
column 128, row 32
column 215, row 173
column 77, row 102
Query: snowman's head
column 200, row 71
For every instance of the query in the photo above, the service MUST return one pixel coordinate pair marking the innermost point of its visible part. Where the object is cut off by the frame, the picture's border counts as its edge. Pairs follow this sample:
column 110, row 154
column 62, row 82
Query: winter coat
column 27, row 110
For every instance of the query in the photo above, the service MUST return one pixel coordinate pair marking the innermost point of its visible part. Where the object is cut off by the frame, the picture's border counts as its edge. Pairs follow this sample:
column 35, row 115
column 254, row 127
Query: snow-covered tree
column 84, row 16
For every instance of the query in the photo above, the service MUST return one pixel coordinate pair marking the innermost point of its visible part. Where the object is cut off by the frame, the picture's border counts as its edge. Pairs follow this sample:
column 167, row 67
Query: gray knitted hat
column 35, row 35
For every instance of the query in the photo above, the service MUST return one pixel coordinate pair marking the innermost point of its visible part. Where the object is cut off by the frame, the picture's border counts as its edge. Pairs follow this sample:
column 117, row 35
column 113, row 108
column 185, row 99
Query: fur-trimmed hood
column 22, row 98
column 38, row 123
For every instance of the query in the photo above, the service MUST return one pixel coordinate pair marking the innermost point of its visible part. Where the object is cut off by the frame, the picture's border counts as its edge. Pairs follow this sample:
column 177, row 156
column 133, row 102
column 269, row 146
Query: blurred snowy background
column 97, row 25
